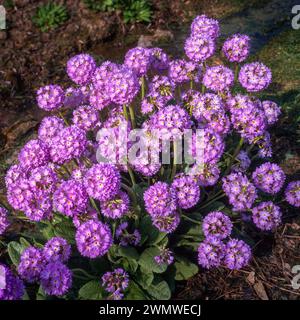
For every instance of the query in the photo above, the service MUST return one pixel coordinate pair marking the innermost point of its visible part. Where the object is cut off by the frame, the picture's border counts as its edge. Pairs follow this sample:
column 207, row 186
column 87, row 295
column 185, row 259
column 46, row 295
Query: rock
column 163, row 35
column 145, row 41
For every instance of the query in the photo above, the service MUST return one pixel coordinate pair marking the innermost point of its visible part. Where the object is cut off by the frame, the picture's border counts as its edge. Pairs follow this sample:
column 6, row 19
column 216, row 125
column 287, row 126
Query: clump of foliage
column 133, row 10
column 50, row 16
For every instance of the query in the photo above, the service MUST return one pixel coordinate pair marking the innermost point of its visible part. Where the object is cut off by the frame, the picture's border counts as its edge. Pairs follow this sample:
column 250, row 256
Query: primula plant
column 100, row 224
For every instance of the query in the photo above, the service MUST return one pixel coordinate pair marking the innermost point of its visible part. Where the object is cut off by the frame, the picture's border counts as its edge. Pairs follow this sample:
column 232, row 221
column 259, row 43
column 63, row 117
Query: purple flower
column 247, row 116
column 34, row 154
column 237, row 255
column 86, row 117
column 181, row 71
column 98, row 98
column 240, row 191
column 159, row 59
column 74, row 97
column 115, row 282
column 4, row 223
column 69, row 144
column 187, row 191
column 292, row 193
column 43, row 178
column 80, row 68
column 147, row 170
column 31, row 264
column 139, row 60
column 218, row 78
column 14, row 286
column 14, row 174
column 160, row 199
column 198, row 48
column 243, row 161
column 166, row 223
column 116, row 207
column 211, row 252
column 49, row 128
column 255, row 76
column 207, row 174
column 165, row 256
column 93, row 239
column 70, row 198
column 102, row 181
column 81, row 218
column 125, row 237
column 217, row 224
column 237, row 48
column 204, row 26
column 272, row 111
column 268, row 177
column 55, row 249
column 50, row 97
column 56, row 279
column 266, row 216
column 161, row 87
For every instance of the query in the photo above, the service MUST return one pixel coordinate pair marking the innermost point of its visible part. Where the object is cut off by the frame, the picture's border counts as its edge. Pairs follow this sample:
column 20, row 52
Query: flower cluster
column 115, row 282
column 14, row 286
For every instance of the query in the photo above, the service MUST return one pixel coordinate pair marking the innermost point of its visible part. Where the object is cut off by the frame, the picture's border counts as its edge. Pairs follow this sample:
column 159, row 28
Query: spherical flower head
column 187, row 191
column 49, row 128
column 236, row 48
column 85, row 117
column 147, row 106
column 14, row 286
column 80, row 68
column 237, row 254
column 139, row 60
column 99, row 98
column 166, row 223
column 207, row 174
column 244, row 161
column 240, row 191
column 161, row 87
column 93, row 239
column 15, row 173
column 217, row 224
column 115, row 282
column 147, row 170
column 160, row 199
column 124, row 86
column 165, row 256
column 70, row 198
column 207, row 146
column 247, row 116
column 74, row 97
column 116, row 207
column 211, row 252
column 125, row 237
column 292, row 193
column 18, row 194
column 272, row 111
column 69, row 144
column 56, row 279
column 50, row 97
column 266, row 216
column 170, row 121
column 102, row 181
column 255, row 76
column 43, row 178
column 31, row 264
column 204, row 26
column 199, row 49
column 34, row 154
column 159, row 59
column 218, row 78
column 4, row 223
column 268, row 177
column 57, row 249
column 181, row 71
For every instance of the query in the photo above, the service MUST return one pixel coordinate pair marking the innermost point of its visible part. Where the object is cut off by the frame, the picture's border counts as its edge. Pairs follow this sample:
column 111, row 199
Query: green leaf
column 144, row 277
column 91, row 291
column 129, row 265
column 41, row 295
column 154, row 236
column 160, row 290
column 184, row 268
column 128, row 252
column 148, row 263
column 15, row 250
column 134, row 292
column 24, row 242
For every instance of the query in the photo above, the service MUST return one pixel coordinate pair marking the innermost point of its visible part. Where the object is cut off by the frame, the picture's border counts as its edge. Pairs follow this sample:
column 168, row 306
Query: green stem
column 132, row 116
column 236, row 152
column 236, row 72
column 212, row 201
column 191, row 84
column 94, row 205
column 190, row 219
column 125, row 112
column 131, row 194
column 143, row 87
column 174, row 168
column 131, row 174
column 62, row 116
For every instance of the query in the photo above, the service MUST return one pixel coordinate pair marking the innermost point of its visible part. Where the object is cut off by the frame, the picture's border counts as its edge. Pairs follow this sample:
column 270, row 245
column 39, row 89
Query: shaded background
column 30, row 58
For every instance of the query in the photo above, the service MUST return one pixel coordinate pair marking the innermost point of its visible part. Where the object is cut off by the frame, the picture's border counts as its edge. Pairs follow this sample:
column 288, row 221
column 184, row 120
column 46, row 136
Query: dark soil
column 30, row 58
